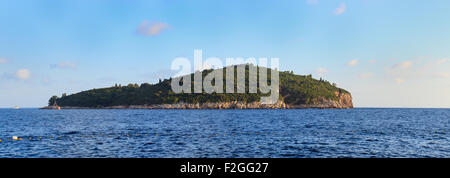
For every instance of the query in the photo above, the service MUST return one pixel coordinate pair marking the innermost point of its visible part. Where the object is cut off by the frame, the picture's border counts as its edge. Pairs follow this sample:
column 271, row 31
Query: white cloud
column 312, row 1
column 353, row 62
column 442, row 61
column 3, row 60
column 22, row 74
column 341, row 9
column 147, row 29
column 441, row 74
column 366, row 75
column 414, row 71
column 321, row 71
column 399, row 80
column 64, row 65
column 403, row 65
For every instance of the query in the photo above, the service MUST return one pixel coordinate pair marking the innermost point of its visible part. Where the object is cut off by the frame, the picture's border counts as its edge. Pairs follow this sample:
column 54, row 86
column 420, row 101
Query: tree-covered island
column 295, row 91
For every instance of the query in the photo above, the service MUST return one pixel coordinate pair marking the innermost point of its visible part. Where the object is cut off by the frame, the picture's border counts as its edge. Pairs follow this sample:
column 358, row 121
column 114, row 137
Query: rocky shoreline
column 344, row 102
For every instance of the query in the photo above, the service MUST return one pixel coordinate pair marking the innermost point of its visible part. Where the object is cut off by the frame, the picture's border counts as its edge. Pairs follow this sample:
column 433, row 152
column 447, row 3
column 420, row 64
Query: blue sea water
column 317, row 133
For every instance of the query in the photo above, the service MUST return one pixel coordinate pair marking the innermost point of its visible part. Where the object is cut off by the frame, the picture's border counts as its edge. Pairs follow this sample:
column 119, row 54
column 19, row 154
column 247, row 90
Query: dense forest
column 294, row 89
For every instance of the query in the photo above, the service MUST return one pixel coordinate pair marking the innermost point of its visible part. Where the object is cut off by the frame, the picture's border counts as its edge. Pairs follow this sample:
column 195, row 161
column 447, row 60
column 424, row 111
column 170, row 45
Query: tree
column 52, row 100
column 145, row 85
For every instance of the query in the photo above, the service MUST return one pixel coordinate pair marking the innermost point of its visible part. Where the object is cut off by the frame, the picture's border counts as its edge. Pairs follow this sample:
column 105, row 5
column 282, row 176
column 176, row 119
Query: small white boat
column 16, row 107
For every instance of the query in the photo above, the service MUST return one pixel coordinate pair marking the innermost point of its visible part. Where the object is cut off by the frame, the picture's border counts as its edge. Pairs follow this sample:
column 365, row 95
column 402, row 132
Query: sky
column 386, row 53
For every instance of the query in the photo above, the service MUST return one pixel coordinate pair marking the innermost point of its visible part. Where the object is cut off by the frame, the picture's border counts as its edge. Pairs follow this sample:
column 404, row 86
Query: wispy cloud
column 3, row 60
column 442, row 61
column 399, row 80
column 400, row 71
column 353, row 62
column 441, row 74
column 341, row 9
column 321, row 71
column 64, row 65
column 152, row 29
column 403, row 65
column 22, row 74
column 312, row 2
column 416, row 71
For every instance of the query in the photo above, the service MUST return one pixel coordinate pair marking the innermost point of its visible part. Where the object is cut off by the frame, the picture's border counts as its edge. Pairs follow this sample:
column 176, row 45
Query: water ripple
column 225, row 133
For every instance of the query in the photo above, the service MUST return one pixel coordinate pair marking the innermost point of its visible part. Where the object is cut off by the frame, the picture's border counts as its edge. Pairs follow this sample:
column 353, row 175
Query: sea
column 250, row 133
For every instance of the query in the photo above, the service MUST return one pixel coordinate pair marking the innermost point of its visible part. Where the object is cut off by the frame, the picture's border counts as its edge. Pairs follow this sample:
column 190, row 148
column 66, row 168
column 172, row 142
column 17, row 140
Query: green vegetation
column 294, row 89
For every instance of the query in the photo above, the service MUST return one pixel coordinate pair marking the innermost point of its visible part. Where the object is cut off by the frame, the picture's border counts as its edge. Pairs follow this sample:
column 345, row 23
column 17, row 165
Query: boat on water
column 16, row 107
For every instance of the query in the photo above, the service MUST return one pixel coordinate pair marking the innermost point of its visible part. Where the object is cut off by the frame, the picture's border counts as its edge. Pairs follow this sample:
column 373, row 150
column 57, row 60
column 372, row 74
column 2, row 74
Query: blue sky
column 386, row 53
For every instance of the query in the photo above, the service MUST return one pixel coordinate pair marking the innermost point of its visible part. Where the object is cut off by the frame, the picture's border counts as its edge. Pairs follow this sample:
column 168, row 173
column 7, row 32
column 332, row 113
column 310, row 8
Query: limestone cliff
column 344, row 101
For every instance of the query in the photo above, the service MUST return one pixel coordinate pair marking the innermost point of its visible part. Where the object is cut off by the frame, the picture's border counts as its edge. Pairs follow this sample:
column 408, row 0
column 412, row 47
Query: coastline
column 225, row 105
column 344, row 101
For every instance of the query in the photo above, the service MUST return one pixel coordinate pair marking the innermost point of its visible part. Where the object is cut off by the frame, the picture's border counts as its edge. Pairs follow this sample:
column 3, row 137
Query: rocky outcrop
column 344, row 101
column 221, row 105
column 51, row 107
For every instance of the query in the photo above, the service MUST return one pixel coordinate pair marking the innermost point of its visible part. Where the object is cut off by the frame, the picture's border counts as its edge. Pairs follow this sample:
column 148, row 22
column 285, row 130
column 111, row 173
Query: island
column 295, row 92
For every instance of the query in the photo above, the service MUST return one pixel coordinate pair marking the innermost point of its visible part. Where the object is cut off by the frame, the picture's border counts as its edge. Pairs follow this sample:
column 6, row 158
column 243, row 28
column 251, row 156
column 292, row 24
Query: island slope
column 296, row 91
